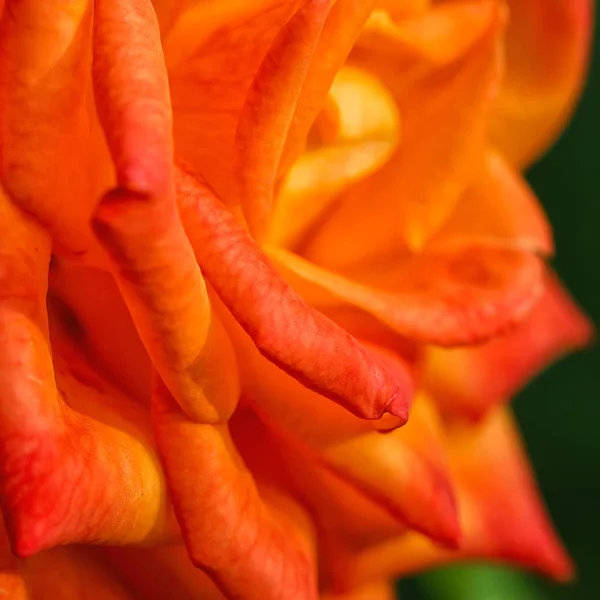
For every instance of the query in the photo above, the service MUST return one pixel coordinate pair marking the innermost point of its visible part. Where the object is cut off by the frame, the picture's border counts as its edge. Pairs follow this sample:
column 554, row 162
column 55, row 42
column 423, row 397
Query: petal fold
column 452, row 297
column 248, row 547
column 300, row 340
column 503, row 517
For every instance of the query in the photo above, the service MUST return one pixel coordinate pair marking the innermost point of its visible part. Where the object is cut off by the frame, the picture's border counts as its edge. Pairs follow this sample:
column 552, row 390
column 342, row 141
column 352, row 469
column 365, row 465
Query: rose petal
column 106, row 332
column 11, row 577
column 457, row 296
column 359, row 126
column 498, row 208
column 470, row 381
column 65, row 475
column 44, row 126
column 132, row 95
column 443, row 129
column 209, row 39
column 250, row 549
column 285, row 329
column 402, row 471
column 155, row 269
column 502, row 516
column 71, row 574
column 382, row 590
column 162, row 572
column 547, row 54
column 238, row 38
column 269, row 110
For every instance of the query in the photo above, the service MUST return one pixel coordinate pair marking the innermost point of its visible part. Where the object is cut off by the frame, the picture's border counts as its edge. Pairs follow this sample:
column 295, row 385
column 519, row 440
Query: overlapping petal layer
column 172, row 334
column 547, row 50
column 502, row 516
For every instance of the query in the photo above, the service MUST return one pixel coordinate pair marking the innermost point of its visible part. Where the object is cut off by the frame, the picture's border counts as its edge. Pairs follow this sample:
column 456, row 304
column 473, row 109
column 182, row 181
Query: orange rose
column 237, row 240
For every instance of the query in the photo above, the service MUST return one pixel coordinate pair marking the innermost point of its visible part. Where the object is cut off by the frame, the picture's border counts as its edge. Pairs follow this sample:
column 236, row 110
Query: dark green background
column 560, row 411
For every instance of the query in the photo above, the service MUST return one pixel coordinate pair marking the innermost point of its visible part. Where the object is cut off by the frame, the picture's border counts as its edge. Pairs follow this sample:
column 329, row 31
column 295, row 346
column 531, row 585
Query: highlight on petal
column 132, row 94
column 502, row 517
column 269, row 110
column 298, row 339
column 76, row 462
column 250, row 548
column 470, row 381
column 444, row 128
column 498, row 208
column 44, row 126
column 455, row 296
column 356, row 132
column 547, row 53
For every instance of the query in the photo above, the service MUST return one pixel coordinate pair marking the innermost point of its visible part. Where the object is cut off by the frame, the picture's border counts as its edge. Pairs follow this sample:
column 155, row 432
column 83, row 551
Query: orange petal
column 209, row 39
column 547, row 53
column 12, row 582
column 382, row 590
column 403, row 472
column 343, row 25
column 498, row 208
column 44, row 126
column 132, row 94
column 65, row 476
column 443, row 129
column 249, row 549
column 469, row 381
column 71, row 574
column 502, row 515
column 107, row 335
column 286, row 330
column 269, row 110
column 452, row 297
column 359, row 129
column 155, row 269
column 162, row 572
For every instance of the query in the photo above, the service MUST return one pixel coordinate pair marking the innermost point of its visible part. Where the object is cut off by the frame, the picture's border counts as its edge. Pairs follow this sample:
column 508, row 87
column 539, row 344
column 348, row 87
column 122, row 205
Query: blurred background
column 559, row 412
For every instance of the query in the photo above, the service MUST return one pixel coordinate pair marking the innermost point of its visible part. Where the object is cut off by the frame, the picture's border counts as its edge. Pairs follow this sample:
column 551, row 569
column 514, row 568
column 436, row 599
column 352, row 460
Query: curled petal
column 444, row 129
column 76, row 464
column 209, row 39
column 503, row 518
column 300, row 340
column 470, row 381
column 289, row 50
column 269, row 110
column 157, row 274
column 249, row 548
column 547, row 54
column 358, row 130
column 132, row 94
column 452, row 297
column 498, row 208
column 44, row 126
column 402, row 470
